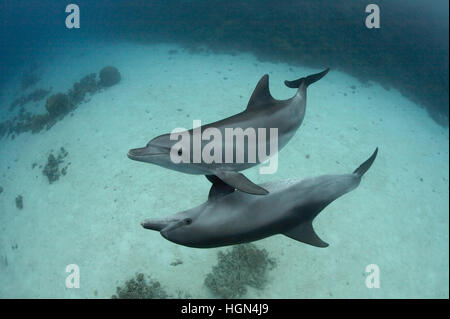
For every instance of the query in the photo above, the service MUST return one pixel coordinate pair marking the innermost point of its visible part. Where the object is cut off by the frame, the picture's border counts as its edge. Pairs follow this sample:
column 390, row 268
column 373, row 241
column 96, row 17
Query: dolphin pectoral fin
column 219, row 188
column 306, row 234
column 261, row 94
column 213, row 178
column 240, row 182
column 364, row 167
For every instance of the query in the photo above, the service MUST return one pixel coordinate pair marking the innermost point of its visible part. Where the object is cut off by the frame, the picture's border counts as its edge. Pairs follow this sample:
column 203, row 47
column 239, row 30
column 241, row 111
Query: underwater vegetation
column 52, row 168
column 140, row 288
column 58, row 105
column 242, row 266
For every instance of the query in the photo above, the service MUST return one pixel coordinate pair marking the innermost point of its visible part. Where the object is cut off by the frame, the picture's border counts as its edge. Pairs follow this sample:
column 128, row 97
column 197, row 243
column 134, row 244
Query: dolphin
column 238, row 217
column 262, row 112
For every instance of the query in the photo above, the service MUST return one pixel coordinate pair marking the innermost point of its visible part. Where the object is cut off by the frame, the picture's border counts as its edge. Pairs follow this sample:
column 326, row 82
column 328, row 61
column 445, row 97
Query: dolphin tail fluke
column 364, row 167
column 307, row 80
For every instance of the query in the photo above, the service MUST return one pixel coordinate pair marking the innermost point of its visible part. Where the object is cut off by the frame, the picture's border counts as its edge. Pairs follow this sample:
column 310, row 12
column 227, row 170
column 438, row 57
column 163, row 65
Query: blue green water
column 181, row 61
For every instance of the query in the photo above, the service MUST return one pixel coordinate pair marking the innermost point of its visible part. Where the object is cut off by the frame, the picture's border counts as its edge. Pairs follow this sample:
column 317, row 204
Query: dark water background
column 409, row 52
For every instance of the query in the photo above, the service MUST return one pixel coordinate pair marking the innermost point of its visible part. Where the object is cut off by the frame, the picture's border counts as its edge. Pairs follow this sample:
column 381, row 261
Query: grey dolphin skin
column 289, row 209
column 262, row 112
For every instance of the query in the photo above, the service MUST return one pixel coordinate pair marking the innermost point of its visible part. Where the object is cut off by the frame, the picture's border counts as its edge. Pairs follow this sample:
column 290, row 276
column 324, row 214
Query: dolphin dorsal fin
column 306, row 234
column 261, row 94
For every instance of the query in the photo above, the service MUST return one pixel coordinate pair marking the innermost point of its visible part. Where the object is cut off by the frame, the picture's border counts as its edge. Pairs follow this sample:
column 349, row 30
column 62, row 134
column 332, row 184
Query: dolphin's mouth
column 158, row 224
column 143, row 153
column 166, row 231
column 164, row 234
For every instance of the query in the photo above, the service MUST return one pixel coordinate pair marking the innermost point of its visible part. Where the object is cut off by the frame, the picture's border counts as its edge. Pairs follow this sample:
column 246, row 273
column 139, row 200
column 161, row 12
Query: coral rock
column 139, row 288
column 109, row 76
column 57, row 104
column 242, row 266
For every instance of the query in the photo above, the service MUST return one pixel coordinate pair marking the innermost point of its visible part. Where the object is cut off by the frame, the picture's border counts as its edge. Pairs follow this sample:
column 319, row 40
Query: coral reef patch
column 140, row 288
column 240, row 267
column 87, row 84
column 243, row 265
column 37, row 122
column 57, row 105
column 109, row 76
column 52, row 168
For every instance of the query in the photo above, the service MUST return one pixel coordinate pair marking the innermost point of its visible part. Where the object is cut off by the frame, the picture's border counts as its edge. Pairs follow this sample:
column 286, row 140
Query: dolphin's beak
column 156, row 224
column 143, row 153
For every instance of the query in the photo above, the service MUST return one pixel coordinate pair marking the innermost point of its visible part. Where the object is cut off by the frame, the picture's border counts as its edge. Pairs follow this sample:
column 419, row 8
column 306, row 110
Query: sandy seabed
column 397, row 218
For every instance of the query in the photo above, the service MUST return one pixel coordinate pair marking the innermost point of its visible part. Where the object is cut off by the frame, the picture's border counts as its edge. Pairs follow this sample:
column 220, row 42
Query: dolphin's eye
column 180, row 151
column 188, row 221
